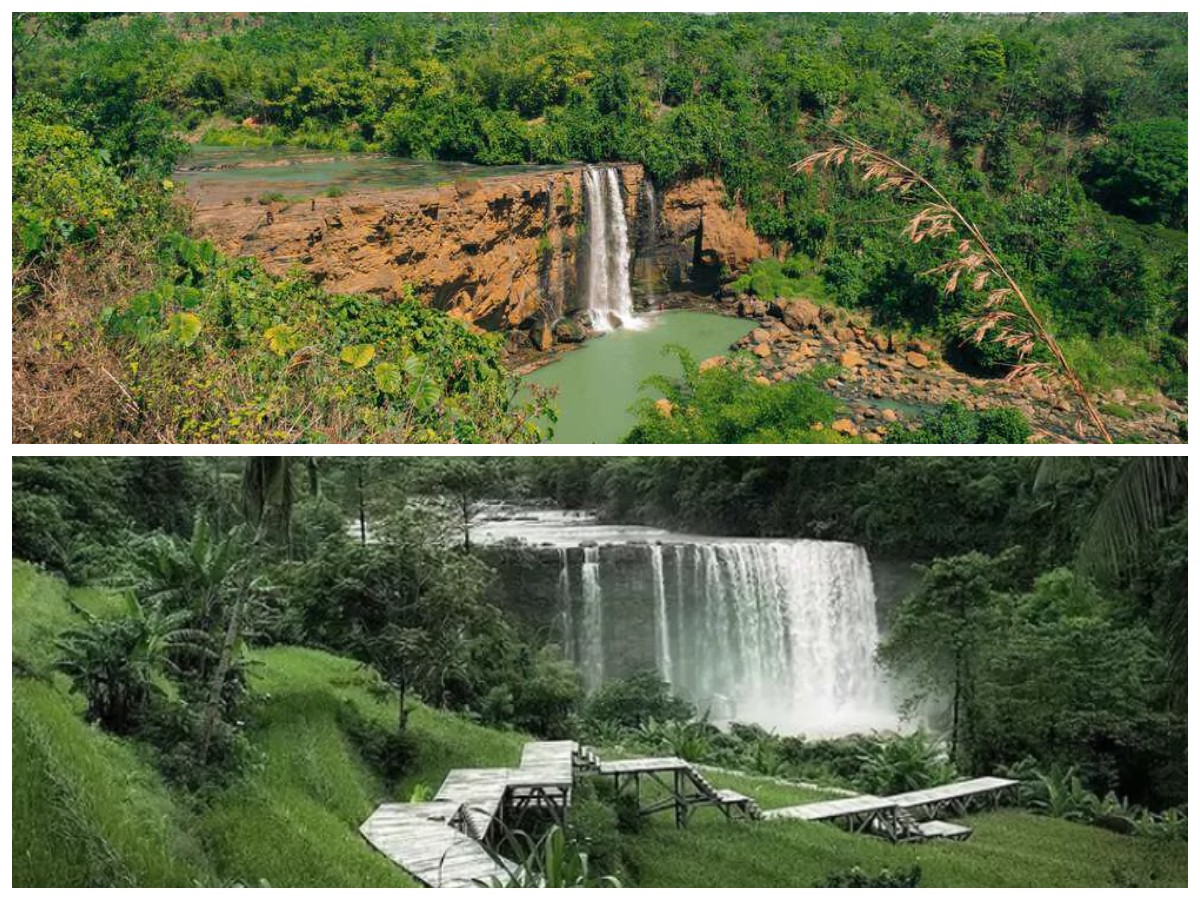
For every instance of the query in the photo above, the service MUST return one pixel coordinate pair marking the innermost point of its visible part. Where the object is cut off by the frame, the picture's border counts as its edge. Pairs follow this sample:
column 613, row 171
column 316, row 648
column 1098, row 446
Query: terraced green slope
column 89, row 809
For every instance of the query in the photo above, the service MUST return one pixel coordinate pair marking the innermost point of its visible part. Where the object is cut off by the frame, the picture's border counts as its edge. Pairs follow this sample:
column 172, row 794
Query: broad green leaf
column 388, row 377
column 281, row 339
column 358, row 355
column 184, row 327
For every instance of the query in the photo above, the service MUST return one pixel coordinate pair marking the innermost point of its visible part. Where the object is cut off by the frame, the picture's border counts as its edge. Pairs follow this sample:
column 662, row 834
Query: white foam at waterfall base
column 608, row 295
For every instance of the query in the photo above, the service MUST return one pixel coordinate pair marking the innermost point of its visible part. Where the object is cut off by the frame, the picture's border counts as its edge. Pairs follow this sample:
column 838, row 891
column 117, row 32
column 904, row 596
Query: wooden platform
column 447, row 842
column 418, row 837
column 951, row 831
column 645, row 764
column 824, row 810
column 911, row 816
column 957, row 796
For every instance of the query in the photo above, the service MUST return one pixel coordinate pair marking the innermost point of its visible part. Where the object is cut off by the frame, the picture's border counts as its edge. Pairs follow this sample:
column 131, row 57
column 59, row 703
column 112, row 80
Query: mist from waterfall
column 608, row 296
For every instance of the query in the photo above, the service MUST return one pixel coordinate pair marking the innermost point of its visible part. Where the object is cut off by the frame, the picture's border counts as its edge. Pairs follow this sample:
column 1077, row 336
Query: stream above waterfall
column 773, row 631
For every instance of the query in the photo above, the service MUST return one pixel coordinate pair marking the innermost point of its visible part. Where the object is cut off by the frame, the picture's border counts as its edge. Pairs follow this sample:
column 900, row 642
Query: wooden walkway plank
column 833, row 809
column 958, row 790
column 648, row 764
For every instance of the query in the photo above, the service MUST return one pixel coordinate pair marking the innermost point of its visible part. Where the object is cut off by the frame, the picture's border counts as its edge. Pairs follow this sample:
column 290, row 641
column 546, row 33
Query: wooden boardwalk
column 447, row 842
column 450, row 841
column 911, row 816
column 957, row 796
column 686, row 786
column 419, row 838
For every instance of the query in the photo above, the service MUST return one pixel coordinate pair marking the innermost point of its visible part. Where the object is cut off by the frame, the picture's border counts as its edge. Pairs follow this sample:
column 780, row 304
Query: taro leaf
column 183, row 328
column 358, row 355
column 280, row 339
column 388, row 377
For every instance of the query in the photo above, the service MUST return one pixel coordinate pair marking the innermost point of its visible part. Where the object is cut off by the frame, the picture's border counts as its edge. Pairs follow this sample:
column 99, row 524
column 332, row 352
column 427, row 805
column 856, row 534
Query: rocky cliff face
column 502, row 253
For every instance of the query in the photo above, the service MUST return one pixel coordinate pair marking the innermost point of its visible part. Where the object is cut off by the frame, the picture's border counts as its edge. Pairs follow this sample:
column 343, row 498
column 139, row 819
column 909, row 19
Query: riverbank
column 883, row 380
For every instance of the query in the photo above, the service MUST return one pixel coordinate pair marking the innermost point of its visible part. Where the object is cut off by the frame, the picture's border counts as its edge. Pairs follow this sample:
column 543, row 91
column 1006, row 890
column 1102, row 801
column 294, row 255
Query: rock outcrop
column 502, row 253
column 883, row 383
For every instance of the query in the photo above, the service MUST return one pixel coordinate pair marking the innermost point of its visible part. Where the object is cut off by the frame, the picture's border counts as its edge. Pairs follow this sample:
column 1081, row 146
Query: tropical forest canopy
column 1063, row 136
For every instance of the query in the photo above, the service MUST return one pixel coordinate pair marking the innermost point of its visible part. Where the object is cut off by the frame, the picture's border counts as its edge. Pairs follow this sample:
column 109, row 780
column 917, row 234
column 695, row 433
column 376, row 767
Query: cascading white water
column 564, row 599
column 662, row 624
column 608, row 296
column 650, row 238
column 778, row 632
column 781, row 633
column 591, row 644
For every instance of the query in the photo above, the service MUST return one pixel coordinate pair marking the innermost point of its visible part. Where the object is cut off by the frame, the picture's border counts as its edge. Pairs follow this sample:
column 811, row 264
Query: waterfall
column 649, row 244
column 564, row 600
column 781, row 633
column 662, row 625
column 608, row 296
column 592, row 643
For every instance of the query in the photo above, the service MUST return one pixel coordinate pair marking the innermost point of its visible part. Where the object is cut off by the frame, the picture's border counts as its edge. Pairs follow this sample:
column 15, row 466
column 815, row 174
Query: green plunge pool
column 598, row 383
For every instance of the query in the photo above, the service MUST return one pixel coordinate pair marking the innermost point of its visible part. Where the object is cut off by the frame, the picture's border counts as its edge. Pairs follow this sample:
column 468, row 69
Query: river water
column 598, row 383
column 219, row 174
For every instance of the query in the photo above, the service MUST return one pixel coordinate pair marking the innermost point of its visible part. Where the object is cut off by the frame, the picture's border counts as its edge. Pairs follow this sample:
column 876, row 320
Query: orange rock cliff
column 503, row 253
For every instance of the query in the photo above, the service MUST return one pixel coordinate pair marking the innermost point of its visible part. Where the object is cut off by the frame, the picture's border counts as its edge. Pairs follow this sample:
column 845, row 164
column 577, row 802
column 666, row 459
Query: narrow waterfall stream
column 608, row 296
column 591, row 642
column 662, row 625
column 777, row 632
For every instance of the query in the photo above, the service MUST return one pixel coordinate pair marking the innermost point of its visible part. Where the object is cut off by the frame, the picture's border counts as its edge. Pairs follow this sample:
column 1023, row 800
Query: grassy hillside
column 89, row 809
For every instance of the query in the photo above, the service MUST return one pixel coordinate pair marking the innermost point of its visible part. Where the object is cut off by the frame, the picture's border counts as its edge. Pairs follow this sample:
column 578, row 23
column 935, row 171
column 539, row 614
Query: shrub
column 885, row 878
column 903, row 763
column 221, row 351
column 724, row 405
column 770, row 279
column 634, row 701
column 953, row 423
column 392, row 754
column 1142, row 171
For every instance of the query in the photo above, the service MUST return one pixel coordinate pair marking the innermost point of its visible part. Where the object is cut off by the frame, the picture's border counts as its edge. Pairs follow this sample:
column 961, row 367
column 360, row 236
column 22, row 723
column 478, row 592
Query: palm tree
column 1144, row 494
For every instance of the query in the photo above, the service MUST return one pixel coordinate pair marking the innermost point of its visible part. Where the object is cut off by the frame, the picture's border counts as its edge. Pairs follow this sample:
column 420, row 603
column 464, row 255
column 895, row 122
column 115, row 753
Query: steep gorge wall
column 502, row 253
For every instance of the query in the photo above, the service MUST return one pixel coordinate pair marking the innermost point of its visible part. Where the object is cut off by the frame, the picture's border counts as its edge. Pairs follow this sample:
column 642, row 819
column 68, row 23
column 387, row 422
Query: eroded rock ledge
column 502, row 253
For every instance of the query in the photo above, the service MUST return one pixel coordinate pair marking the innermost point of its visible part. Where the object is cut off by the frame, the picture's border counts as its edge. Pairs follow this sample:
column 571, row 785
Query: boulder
column 845, row 426
column 851, row 359
column 664, row 406
column 916, row 360
column 919, row 346
column 751, row 309
column 541, row 334
column 713, row 362
column 763, row 380
column 889, row 415
column 569, row 331
column 762, row 351
column 760, row 336
column 880, row 342
column 798, row 314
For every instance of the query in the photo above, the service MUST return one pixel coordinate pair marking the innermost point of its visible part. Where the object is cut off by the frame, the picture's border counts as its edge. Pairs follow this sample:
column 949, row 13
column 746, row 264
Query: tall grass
column 87, row 809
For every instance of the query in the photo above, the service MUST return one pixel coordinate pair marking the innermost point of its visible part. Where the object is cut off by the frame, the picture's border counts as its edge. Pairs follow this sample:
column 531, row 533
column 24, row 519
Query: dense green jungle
column 258, row 672
column 464, row 227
